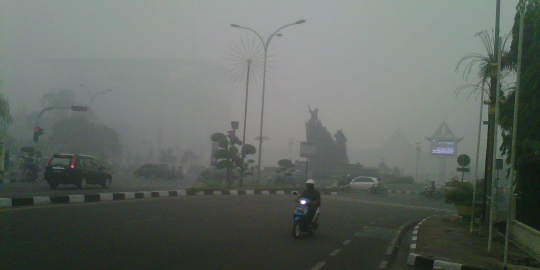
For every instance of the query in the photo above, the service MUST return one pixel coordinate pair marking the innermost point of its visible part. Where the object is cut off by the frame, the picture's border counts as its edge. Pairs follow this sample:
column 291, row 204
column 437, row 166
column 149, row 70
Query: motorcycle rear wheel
column 296, row 229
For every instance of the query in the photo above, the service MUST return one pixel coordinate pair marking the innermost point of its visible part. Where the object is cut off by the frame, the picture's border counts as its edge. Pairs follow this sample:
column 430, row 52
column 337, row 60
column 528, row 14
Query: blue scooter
column 301, row 218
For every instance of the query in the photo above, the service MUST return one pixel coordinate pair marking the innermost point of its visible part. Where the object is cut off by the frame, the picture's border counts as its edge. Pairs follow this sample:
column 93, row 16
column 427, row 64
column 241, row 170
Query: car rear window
column 62, row 161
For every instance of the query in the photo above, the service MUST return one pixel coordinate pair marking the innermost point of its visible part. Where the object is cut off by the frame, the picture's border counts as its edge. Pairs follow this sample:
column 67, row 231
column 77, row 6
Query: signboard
column 463, row 169
column 463, row 160
column 499, row 164
column 307, row 149
column 443, row 147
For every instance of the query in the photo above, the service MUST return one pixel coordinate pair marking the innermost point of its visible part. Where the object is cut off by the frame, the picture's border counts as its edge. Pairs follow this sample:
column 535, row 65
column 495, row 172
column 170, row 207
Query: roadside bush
column 462, row 193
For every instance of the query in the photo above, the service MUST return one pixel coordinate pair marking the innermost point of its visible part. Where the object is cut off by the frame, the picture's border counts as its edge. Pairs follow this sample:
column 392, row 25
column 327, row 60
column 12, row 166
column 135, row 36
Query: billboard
column 307, row 149
column 443, row 147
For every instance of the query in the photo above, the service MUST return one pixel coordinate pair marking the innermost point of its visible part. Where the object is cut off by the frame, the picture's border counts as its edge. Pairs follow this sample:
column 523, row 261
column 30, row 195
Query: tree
column 485, row 71
column 5, row 116
column 528, row 134
column 6, row 119
column 484, row 65
column 188, row 156
column 77, row 134
column 167, row 156
column 228, row 156
column 62, row 98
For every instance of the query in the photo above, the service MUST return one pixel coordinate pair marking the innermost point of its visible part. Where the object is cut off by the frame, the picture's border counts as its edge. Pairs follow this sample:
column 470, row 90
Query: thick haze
column 370, row 67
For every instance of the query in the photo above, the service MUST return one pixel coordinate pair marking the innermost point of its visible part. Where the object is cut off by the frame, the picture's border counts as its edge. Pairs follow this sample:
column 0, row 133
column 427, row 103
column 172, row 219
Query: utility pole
column 417, row 160
column 488, row 173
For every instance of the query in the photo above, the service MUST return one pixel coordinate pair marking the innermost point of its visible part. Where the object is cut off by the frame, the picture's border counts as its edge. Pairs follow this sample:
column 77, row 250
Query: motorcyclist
column 345, row 180
column 379, row 186
column 313, row 195
column 432, row 189
column 31, row 166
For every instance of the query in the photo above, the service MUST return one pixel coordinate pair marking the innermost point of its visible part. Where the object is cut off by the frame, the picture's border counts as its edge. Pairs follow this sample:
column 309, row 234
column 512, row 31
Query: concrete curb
column 393, row 248
column 403, row 192
column 118, row 196
column 414, row 236
column 424, row 262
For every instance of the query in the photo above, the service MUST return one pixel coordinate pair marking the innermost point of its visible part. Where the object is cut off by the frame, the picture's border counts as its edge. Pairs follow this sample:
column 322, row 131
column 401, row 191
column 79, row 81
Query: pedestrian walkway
column 444, row 242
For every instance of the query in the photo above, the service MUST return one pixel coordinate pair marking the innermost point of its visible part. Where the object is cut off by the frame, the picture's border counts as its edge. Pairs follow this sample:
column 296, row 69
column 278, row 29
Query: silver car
column 363, row 182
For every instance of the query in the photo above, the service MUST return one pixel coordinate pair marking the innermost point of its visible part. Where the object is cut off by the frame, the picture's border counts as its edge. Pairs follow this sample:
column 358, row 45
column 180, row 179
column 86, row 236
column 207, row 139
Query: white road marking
column 346, row 242
column 335, row 252
column 383, row 264
column 318, row 266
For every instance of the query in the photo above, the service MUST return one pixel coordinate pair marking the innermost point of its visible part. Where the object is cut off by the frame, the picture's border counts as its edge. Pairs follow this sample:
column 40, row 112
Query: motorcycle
column 428, row 193
column 378, row 188
column 301, row 218
column 345, row 187
column 30, row 176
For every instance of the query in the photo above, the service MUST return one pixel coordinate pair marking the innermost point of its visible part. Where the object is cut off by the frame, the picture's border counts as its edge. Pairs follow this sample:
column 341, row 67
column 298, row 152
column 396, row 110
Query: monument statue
column 329, row 151
column 314, row 114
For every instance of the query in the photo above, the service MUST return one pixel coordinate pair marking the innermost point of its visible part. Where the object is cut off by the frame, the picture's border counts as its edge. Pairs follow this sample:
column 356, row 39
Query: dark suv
column 75, row 169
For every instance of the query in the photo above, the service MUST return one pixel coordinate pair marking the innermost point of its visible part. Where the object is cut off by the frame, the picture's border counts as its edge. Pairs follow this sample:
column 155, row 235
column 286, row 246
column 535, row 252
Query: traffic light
column 37, row 132
column 79, row 108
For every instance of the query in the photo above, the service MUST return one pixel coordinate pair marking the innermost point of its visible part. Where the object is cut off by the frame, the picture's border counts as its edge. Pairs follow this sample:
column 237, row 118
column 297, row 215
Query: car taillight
column 72, row 165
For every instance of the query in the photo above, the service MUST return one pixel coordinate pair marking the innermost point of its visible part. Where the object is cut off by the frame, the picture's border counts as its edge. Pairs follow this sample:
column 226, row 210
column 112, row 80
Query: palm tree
column 484, row 65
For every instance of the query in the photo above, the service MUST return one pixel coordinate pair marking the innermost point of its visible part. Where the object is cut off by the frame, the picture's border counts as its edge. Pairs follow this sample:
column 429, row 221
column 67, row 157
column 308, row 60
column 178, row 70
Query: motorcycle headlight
column 303, row 202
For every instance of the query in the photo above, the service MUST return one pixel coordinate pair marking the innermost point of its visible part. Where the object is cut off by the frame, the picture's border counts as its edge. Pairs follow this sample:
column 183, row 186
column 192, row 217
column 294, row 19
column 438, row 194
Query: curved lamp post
column 92, row 97
column 265, row 46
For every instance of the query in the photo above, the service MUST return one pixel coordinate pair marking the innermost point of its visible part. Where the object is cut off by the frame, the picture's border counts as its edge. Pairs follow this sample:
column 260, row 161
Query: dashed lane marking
column 335, row 252
column 383, row 264
column 346, row 242
column 318, row 266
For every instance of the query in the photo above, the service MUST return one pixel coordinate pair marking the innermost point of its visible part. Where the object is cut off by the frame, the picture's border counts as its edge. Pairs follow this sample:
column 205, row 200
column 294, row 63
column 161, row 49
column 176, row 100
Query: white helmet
column 310, row 182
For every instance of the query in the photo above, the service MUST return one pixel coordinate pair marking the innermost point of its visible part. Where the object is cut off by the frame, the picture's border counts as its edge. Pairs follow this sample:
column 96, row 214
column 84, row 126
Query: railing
column 526, row 238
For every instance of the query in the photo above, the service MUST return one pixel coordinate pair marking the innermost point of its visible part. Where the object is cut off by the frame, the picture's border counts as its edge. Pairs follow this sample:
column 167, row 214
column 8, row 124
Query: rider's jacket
column 313, row 195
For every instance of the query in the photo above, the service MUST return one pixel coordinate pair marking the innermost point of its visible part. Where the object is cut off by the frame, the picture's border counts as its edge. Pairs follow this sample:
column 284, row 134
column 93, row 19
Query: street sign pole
column 307, row 150
column 307, row 164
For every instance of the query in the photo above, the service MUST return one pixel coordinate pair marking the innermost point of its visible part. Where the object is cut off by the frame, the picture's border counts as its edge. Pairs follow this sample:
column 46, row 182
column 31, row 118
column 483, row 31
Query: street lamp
column 92, row 97
column 265, row 46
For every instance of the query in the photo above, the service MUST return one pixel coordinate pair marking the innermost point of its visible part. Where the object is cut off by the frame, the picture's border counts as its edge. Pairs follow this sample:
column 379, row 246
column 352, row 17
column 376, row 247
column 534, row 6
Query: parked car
column 161, row 171
column 76, row 169
column 363, row 182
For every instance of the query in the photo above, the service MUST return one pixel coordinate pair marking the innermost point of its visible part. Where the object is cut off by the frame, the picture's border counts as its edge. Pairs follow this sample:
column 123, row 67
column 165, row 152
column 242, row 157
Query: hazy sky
column 370, row 67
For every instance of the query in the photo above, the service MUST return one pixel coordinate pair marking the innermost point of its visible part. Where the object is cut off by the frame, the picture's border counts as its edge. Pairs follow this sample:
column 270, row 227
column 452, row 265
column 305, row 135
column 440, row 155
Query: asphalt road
column 204, row 232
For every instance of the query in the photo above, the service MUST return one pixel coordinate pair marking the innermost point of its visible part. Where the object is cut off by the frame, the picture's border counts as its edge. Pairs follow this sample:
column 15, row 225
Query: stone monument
column 329, row 151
